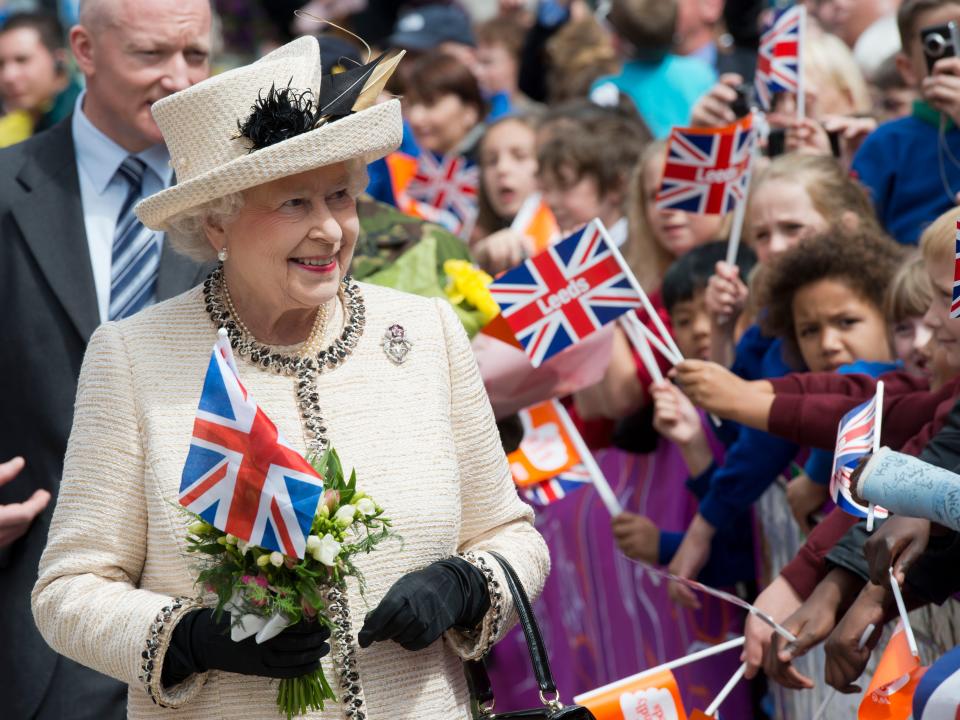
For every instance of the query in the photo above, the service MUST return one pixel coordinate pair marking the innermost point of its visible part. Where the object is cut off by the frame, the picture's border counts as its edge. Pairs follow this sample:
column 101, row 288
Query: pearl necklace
column 316, row 332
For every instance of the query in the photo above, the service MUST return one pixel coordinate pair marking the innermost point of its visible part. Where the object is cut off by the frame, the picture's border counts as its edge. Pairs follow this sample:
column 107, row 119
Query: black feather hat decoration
column 281, row 115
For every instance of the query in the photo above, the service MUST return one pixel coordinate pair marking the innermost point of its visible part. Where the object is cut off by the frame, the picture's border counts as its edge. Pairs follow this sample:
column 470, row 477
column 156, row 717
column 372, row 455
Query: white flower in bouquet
column 276, row 559
column 242, row 546
column 326, row 551
column 345, row 515
column 366, row 506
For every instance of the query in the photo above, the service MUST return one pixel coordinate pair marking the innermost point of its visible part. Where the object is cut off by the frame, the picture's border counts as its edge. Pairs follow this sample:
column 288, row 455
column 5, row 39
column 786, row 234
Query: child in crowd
column 784, row 207
column 807, row 409
column 585, row 158
column 663, row 86
column 910, row 165
column 680, row 423
column 656, row 239
column 906, row 301
column 795, row 196
column 893, row 97
column 499, row 42
column 444, row 106
column 508, row 176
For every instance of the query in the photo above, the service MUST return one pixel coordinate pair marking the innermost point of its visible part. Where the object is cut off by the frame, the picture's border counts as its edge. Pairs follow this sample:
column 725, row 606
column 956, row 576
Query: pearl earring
column 222, row 255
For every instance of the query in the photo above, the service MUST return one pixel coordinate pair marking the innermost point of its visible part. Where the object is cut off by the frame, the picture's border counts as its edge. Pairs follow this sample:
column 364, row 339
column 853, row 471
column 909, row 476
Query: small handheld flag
column 938, row 692
column 444, row 190
column 565, row 293
column 707, row 169
column 955, row 303
column 779, row 58
column 556, row 461
column 536, row 222
column 652, row 695
column 890, row 693
column 857, row 435
column 241, row 475
column 546, row 452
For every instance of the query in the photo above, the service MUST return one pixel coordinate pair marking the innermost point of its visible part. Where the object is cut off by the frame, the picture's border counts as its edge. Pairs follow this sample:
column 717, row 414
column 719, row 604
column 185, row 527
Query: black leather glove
column 200, row 643
column 422, row 605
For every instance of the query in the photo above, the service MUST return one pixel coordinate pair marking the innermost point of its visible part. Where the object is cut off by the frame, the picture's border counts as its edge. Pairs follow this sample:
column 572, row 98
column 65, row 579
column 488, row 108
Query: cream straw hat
column 210, row 157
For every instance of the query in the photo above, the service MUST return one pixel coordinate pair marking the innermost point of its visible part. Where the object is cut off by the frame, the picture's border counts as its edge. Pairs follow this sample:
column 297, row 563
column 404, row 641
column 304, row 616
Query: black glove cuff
column 474, row 591
column 179, row 662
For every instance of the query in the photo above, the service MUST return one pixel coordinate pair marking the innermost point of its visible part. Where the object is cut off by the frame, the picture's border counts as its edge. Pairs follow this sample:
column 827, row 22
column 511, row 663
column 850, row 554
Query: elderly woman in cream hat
column 266, row 183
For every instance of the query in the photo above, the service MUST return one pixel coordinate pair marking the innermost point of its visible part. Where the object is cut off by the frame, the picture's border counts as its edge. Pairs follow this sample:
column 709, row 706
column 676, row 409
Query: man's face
column 150, row 49
column 28, row 75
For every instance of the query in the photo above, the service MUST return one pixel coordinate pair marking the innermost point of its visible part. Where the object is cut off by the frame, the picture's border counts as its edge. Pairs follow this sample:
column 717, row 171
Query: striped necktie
column 136, row 250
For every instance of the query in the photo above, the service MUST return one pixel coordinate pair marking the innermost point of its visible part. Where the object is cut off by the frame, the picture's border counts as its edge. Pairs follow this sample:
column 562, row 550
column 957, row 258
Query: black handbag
column 479, row 681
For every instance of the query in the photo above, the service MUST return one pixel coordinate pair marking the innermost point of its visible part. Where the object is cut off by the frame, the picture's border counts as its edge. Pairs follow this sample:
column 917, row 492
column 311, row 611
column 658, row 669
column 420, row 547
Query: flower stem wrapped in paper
column 266, row 591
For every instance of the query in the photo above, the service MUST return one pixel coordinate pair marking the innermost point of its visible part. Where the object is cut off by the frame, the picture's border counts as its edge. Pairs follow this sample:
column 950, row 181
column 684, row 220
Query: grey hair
column 186, row 230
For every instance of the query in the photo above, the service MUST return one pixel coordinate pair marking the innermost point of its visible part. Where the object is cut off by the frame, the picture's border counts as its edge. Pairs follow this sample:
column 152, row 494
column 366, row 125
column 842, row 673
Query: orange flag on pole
column 890, row 694
column 536, row 222
column 546, row 451
column 651, row 697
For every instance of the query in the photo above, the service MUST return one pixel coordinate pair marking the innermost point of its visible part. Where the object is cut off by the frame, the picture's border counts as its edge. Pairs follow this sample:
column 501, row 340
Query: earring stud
column 222, row 255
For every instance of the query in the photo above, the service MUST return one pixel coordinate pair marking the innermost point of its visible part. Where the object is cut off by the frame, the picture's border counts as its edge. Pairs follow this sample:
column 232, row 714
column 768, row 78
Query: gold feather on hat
column 355, row 89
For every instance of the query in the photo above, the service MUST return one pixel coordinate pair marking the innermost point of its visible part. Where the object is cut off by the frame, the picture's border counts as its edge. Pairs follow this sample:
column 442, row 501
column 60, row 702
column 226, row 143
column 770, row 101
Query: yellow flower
column 469, row 284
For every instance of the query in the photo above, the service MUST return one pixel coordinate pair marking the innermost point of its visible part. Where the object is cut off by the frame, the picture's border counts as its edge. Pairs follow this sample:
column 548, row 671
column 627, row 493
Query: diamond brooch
column 395, row 343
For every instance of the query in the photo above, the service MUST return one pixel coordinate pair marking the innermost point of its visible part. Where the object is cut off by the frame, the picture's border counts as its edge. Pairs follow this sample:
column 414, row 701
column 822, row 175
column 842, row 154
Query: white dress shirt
column 102, row 193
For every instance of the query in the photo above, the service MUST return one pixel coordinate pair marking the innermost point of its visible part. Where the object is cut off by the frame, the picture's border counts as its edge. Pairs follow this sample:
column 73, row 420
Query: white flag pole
column 642, row 346
column 644, row 300
column 727, row 689
column 898, row 596
column 526, row 212
column 739, row 213
column 801, row 96
column 871, row 508
column 586, row 457
column 671, row 665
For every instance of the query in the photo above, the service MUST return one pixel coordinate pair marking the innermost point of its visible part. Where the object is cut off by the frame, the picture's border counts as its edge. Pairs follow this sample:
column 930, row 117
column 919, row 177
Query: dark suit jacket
column 48, row 310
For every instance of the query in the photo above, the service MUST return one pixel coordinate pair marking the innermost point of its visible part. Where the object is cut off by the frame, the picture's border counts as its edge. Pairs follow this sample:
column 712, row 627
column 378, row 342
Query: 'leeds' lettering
column 571, row 292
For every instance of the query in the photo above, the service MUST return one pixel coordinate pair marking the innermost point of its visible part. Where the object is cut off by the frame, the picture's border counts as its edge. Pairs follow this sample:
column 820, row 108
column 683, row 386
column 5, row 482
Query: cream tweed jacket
column 421, row 436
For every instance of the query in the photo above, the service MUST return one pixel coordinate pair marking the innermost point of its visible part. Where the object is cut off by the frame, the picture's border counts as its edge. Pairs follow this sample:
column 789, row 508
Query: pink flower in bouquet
column 331, row 499
column 308, row 610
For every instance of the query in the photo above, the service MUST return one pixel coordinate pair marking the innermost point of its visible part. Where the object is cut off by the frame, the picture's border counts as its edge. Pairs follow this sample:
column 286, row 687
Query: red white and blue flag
column 955, row 304
column 444, row 190
column 937, row 694
column 779, row 56
column 707, row 169
column 564, row 293
column 857, row 435
column 241, row 475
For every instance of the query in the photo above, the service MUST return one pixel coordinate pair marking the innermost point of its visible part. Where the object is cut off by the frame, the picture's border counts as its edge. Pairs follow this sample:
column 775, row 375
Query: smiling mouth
column 316, row 264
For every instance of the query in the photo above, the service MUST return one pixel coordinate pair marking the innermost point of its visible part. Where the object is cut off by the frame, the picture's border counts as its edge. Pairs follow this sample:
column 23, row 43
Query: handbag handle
column 477, row 677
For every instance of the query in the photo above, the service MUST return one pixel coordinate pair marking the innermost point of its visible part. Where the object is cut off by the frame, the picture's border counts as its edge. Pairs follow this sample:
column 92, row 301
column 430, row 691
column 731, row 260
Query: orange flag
column 535, row 220
column 890, row 694
column 546, row 449
column 651, row 697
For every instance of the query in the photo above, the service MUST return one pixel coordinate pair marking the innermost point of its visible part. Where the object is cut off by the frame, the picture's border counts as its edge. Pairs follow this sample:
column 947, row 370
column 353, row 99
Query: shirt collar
column 922, row 110
column 99, row 156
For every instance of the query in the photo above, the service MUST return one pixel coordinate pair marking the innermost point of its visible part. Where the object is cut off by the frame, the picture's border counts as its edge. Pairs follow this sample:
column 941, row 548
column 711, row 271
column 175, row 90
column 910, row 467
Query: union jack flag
column 707, row 170
column 955, row 304
column 564, row 293
column 241, row 476
column 557, row 488
column 857, row 435
column 778, row 59
column 444, row 190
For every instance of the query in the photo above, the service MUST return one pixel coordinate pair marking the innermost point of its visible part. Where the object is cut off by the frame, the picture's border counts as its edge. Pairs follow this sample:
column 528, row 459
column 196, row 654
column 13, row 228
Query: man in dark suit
column 72, row 255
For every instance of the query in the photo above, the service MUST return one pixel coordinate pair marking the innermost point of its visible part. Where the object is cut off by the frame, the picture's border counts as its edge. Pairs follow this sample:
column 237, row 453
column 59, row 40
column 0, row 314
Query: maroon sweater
column 807, row 410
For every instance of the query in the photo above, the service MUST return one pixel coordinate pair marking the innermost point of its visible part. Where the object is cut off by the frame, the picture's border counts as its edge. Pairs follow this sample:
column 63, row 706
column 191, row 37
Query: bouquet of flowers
column 265, row 591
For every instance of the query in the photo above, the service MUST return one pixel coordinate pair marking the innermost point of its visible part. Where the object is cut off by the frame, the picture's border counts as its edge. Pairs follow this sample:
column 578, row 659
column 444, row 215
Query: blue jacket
column 900, row 164
column 755, row 458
